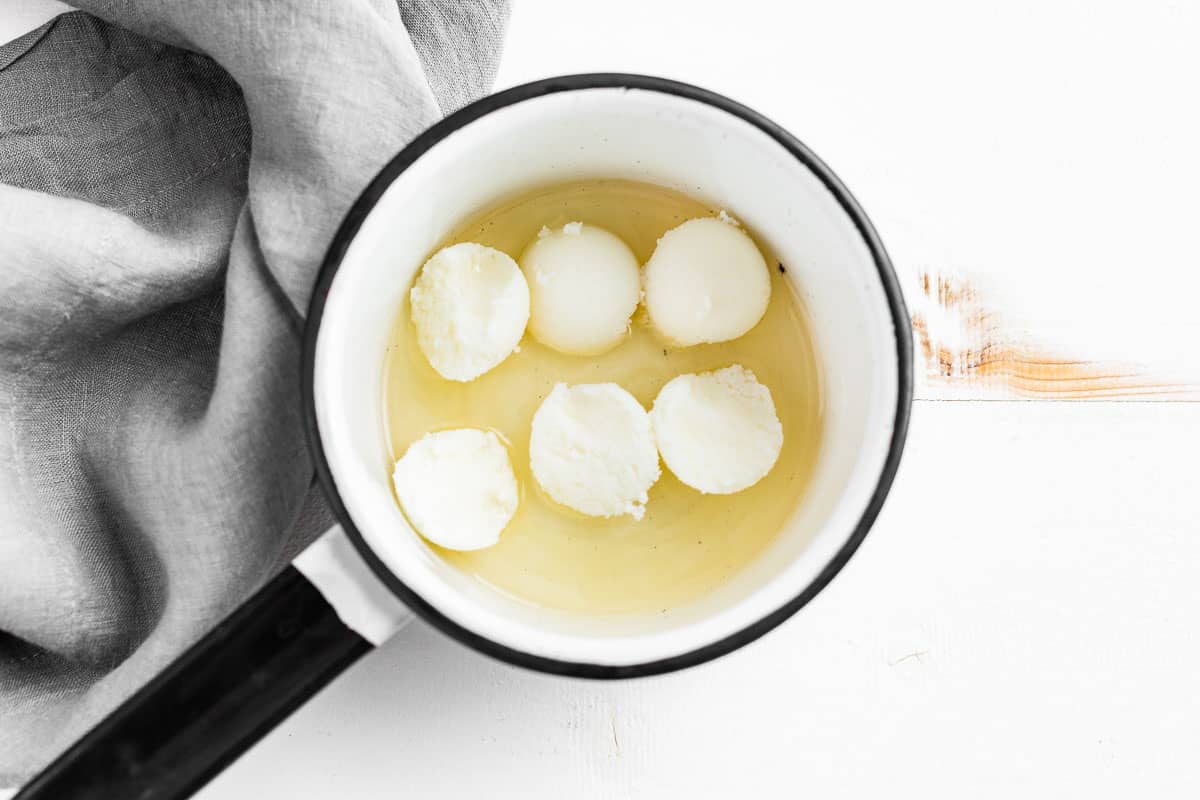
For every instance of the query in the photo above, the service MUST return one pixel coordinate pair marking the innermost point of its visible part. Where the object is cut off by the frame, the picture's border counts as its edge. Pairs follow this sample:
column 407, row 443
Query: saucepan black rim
column 402, row 161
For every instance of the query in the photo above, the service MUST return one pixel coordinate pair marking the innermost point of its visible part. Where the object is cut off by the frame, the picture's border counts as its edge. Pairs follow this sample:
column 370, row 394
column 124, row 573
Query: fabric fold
column 170, row 176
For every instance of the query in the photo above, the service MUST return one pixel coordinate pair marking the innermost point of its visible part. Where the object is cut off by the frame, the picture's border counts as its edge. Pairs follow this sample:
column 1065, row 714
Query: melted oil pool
column 688, row 544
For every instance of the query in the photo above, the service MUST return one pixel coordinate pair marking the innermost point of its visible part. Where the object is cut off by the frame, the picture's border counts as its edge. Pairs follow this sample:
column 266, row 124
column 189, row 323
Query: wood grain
column 967, row 351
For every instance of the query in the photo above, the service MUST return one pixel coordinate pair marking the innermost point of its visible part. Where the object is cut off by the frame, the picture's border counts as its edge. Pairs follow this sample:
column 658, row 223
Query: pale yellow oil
column 688, row 543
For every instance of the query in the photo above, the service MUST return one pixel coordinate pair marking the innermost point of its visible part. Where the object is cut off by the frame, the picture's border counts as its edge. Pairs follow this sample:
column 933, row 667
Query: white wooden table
column 1022, row 619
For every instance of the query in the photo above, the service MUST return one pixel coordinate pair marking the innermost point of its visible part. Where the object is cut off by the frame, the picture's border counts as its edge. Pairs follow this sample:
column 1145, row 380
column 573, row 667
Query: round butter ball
column 706, row 282
column 470, row 305
column 592, row 449
column 457, row 488
column 584, row 286
column 717, row 431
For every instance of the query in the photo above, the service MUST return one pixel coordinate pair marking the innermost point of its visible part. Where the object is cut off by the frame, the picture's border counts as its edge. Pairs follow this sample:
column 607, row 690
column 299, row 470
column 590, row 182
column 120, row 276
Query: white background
column 1022, row 618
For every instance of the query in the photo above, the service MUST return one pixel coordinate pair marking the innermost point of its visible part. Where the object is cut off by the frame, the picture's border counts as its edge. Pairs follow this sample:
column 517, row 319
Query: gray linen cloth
column 171, row 172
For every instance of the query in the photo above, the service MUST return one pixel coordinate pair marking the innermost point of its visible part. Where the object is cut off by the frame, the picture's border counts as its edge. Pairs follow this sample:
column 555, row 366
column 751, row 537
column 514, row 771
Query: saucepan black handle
column 212, row 704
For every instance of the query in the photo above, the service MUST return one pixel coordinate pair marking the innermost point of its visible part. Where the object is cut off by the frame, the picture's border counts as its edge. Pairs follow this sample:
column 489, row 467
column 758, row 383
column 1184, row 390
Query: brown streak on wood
column 980, row 352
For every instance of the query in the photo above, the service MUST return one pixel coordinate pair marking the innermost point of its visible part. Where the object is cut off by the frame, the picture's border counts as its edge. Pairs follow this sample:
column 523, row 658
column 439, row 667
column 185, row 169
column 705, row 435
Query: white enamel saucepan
column 364, row 579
